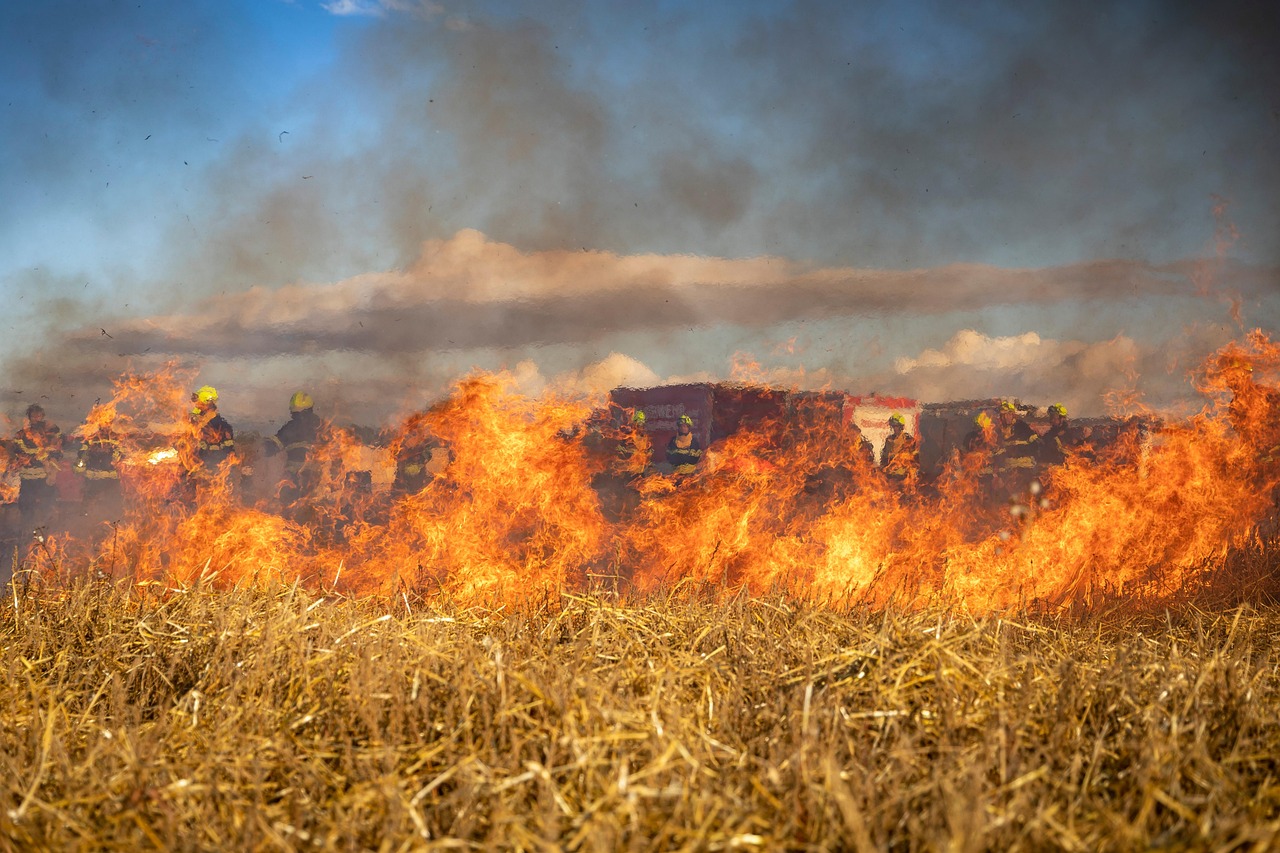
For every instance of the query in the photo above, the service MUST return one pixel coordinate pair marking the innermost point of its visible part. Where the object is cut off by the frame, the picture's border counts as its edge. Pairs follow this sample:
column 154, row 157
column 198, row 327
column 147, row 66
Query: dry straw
column 284, row 719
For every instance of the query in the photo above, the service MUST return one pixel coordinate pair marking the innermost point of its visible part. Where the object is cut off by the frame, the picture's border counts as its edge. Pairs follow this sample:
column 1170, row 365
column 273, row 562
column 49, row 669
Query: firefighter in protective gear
column 633, row 448
column 1052, row 449
column 98, row 462
column 37, row 455
column 1017, row 446
column 684, row 451
column 296, row 439
column 215, row 440
column 982, row 436
column 625, row 459
column 412, row 464
column 977, row 452
column 866, row 453
column 900, row 456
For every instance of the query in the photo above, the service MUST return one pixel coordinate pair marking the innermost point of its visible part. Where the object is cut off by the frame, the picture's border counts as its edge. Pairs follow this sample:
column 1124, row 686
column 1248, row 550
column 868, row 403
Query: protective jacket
column 99, row 456
column 1017, row 446
column 215, row 438
column 412, row 467
column 900, row 455
column 296, row 438
column 1053, row 445
column 684, row 452
column 37, row 451
column 977, row 444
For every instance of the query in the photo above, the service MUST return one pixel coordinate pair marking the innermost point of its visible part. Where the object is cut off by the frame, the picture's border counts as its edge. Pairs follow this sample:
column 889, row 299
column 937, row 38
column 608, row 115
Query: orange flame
column 527, row 497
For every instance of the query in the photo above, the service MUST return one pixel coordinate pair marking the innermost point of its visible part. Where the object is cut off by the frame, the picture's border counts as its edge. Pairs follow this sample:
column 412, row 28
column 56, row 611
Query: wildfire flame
column 536, row 498
column 159, row 456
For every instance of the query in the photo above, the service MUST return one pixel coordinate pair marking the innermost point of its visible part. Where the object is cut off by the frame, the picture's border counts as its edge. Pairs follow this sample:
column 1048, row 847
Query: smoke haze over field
column 370, row 199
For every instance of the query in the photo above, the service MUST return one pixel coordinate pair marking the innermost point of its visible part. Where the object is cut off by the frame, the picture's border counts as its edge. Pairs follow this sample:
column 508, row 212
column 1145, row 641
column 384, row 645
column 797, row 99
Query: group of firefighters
column 37, row 454
column 1008, row 457
column 1005, row 453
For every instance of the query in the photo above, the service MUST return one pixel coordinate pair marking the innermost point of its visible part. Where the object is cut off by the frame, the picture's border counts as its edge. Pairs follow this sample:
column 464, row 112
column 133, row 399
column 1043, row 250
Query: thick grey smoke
column 374, row 341
column 1017, row 158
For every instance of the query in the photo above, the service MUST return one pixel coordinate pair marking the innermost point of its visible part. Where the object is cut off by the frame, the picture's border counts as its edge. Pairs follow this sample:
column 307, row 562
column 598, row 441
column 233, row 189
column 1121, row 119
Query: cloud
column 379, row 8
column 1006, row 134
column 593, row 381
column 471, row 292
column 454, row 195
column 354, row 7
column 1085, row 375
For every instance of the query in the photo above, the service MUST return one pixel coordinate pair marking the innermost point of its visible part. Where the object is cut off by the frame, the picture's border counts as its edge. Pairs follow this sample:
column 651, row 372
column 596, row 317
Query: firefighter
column 633, row 448
column 412, row 466
column 866, row 450
column 900, row 456
column 977, row 452
column 1052, row 446
column 1015, row 454
column 295, row 439
column 981, row 437
column 214, row 438
column 37, row 453
column 626, row 460
column 98, row 462
column 684, row 451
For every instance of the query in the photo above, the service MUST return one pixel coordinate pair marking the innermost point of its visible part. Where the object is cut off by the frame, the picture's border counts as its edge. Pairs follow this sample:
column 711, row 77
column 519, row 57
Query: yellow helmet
column 982, row 421
column 638, row 418
column 1058, row 409
column 685, row 419
column 207, row 394
column 896, row 418
column 300, row 401
column 1007, row 406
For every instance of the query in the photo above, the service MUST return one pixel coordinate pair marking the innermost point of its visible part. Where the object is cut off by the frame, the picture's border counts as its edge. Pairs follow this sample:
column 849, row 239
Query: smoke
column 454, row 191
column 380, row 342
column 470, row 292
column 972, row 365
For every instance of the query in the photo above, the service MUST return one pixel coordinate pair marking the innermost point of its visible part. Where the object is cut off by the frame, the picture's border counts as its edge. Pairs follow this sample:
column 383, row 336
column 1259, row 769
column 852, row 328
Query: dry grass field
column 193, row 718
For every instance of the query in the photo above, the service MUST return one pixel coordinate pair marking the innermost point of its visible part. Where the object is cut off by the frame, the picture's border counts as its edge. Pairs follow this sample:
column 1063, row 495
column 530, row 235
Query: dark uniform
column 1053, row 446
column 867, row 451
column 98, row 462
column 37, row 454
column 977, row 453
column 413, row 470
column 296, row 439
column 1015, row 454
column 684, row 451
column 900, row 456
column 214, row 440
column 633, row 449
column 625, row 459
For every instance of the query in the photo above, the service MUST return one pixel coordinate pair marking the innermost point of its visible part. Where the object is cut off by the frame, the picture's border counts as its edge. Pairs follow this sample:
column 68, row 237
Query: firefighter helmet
column 898, row 419
column 638, row 418
column 1007, row 406
column 207, row 394
column 685, row 419
column 1058, row 409
column 300, row 401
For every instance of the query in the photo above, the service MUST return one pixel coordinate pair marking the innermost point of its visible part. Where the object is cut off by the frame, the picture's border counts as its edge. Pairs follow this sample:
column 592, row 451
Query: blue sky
column 345, row 168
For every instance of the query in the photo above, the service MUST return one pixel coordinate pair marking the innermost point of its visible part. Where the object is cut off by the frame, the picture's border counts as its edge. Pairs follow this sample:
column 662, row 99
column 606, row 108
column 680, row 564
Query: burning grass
column 282, row 717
